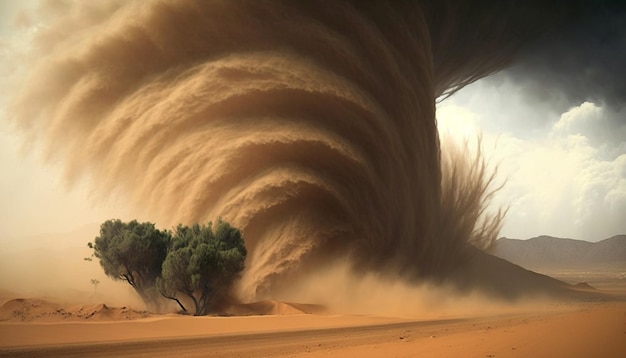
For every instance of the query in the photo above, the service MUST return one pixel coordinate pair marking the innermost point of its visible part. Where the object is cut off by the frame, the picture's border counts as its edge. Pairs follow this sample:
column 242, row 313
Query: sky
column 561, row 151
column 564, row 173
column 35, row 198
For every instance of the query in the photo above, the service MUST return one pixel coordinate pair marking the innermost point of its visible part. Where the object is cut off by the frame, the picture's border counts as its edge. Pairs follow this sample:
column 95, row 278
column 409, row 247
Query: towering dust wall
column 309, row 124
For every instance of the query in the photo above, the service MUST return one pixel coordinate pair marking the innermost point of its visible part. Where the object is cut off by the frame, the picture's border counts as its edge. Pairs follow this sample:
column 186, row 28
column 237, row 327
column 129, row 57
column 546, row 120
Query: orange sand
column 33, row 327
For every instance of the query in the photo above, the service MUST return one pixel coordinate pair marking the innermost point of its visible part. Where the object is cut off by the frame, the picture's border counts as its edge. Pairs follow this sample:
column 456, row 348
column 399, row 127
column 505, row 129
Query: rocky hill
column 552, row 251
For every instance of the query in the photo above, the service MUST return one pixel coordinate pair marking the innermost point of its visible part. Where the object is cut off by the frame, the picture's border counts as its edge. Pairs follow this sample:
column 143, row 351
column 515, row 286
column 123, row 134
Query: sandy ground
column 480, row 327
column 589, row 329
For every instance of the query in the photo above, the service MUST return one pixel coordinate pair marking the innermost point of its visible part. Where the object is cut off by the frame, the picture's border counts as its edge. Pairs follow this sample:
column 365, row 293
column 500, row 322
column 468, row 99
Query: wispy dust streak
column 309, row 125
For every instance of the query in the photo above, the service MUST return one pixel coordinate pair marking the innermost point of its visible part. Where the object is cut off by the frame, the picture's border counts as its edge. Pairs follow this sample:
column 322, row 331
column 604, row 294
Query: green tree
column 202, row 264
column 133, row 252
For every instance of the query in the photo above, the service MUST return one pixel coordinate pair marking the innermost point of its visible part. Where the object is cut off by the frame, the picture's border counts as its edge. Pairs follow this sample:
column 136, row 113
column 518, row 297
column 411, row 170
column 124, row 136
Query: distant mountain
column 547, row 251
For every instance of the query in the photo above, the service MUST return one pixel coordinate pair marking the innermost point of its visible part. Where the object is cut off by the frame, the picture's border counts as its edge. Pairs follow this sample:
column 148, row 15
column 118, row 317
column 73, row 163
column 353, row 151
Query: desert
column 396, row 320
column 570, row 329
column 279, row 178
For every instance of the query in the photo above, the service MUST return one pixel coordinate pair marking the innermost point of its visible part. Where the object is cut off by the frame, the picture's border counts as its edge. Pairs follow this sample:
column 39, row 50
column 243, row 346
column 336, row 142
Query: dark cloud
column 583, row 60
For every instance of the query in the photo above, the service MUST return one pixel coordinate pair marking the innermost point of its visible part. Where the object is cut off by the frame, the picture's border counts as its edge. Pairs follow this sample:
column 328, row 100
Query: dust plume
column 310, row 125
column 340, row 290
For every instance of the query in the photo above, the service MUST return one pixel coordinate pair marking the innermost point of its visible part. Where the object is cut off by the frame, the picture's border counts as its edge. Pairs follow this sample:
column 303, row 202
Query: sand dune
column 40, row 310
column 273, row 307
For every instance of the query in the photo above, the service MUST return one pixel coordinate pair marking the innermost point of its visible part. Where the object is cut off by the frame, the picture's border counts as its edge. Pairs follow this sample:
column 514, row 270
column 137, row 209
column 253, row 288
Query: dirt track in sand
column 566, row 330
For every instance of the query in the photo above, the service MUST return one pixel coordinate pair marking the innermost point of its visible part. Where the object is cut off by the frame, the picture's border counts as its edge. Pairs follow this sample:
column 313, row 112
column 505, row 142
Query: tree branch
column 174, row 299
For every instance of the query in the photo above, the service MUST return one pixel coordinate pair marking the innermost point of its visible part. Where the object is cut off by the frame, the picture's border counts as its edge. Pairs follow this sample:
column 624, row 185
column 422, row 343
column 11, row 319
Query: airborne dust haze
column 310, row 125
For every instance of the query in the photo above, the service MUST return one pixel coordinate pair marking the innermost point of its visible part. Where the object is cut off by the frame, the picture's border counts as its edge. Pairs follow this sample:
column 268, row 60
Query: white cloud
column 579, row 119
column 559, row 181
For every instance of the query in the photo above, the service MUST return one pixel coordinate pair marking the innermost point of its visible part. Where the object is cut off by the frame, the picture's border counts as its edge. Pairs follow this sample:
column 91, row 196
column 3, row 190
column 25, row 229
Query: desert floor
column 36, row 327
column 590, row 329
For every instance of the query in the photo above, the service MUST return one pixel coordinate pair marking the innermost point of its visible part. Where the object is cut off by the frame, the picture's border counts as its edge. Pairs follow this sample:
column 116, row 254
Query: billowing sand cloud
column 309, row 125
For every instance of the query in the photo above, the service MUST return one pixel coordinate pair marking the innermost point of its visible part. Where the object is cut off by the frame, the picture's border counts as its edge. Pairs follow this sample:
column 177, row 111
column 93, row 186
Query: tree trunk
column 208, row 294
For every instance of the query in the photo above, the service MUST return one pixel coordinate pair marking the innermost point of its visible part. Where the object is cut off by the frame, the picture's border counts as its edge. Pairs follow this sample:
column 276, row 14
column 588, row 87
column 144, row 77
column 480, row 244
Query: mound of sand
column 40, row 310
column 272, row 307
column 584, row 286
column 44, row 310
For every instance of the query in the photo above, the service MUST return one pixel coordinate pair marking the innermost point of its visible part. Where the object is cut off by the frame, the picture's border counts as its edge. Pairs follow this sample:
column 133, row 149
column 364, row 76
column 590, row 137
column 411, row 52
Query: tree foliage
column 133, row 252
column 202, row 263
